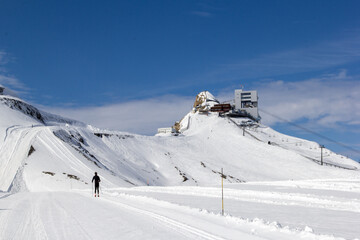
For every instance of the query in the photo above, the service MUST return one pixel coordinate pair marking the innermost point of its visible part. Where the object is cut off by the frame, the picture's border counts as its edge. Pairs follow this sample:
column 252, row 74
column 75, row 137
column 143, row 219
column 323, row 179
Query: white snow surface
column 169, row 187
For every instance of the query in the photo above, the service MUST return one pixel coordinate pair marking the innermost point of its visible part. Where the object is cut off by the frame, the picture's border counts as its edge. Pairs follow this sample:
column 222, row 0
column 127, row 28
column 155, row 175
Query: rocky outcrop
column 23, row 107
column 204, row 101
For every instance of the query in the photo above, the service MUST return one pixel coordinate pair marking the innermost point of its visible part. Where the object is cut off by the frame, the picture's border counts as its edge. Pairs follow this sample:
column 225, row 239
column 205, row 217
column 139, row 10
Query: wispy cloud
column 12, row 82
column 322, row 56
column 328, row 105
column 205, row 10
column 327, row 101
column 2, row 57
column 329, row 55
column 325, row 56
column 141, row 116
column 201, row 13
column 8, row 80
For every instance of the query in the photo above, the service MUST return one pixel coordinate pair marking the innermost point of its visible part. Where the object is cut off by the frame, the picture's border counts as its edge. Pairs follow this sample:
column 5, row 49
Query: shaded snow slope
column 303, row 147
column 49, row 153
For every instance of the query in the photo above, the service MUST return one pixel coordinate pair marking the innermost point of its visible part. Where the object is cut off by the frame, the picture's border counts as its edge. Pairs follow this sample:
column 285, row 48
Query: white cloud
column 7, row 80
column 327, row 105
column 331, row 101
column 327, row 101
column 140, row 116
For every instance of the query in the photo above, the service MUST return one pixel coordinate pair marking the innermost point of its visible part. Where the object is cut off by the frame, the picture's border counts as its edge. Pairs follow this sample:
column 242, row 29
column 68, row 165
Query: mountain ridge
column 59, row 154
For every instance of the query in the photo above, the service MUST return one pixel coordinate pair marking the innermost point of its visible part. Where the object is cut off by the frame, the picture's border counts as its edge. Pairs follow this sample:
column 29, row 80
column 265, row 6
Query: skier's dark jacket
column 97, row 179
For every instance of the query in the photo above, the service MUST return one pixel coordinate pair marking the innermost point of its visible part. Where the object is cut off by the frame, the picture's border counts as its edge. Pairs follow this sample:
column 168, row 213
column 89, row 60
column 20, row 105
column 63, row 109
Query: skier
column 97, row 180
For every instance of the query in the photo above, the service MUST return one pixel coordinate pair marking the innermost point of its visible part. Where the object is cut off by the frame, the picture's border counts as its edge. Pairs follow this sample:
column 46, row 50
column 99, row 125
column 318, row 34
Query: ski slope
column 262, row 210
column 168, row 187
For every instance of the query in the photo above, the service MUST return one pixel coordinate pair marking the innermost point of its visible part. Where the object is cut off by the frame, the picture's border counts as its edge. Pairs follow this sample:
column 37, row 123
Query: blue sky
column 78, row 58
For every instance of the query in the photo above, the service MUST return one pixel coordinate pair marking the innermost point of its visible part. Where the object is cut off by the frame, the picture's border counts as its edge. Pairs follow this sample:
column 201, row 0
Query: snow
column 168, row 187
column 261, row 210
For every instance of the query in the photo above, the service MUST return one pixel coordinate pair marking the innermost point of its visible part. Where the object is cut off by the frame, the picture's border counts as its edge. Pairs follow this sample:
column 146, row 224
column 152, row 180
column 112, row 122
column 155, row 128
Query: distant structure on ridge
column 247, row 101
column 244, row 105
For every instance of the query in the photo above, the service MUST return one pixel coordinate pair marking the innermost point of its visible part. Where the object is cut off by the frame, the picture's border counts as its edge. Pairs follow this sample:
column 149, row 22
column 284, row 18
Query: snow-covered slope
column 40, row 151
column 49, row 161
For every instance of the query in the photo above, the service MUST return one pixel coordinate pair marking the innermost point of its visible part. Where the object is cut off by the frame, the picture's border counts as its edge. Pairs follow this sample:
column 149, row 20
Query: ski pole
column 92, row 189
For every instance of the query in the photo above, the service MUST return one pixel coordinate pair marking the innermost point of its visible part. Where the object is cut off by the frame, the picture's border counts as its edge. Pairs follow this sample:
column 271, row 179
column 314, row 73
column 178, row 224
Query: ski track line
column 30, row 225
column 59, row 205
column 48, row 143
column 37, row 222
column 6, row 133
column 63, row 150
column 16, row 145
column 169, row 222
column 266, row 198
column 21, row 139
column 335, row 185
column 24, row 139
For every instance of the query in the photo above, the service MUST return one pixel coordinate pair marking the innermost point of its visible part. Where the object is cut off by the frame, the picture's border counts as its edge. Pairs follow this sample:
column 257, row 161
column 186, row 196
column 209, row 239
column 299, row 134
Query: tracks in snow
column 13, row 153
column 76, row 215
column 265, row 197
column 174, row 224
column 57, row 215
column 21, row 219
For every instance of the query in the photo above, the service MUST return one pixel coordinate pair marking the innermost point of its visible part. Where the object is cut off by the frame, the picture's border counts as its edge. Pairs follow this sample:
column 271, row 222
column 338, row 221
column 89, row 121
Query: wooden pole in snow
column 322, row 146
column 222, row 192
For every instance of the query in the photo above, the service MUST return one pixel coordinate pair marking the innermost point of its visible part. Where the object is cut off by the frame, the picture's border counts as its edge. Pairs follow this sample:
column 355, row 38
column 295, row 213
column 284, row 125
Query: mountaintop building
column 247, row 101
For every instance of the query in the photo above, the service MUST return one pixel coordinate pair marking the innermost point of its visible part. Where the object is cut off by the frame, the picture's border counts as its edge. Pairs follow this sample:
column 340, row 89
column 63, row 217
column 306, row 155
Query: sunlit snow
column 169, row 187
